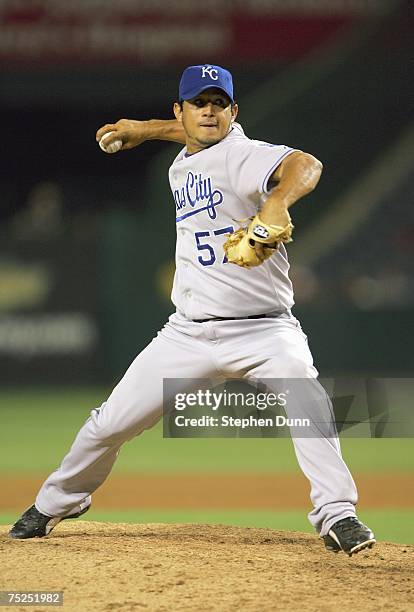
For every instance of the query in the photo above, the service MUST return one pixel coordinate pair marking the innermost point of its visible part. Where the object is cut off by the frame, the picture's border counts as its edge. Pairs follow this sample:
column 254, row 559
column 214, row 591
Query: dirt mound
column 106, row 566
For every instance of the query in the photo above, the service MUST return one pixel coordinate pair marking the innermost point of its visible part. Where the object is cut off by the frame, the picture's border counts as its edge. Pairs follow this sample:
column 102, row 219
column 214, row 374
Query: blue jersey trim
column 273, row 168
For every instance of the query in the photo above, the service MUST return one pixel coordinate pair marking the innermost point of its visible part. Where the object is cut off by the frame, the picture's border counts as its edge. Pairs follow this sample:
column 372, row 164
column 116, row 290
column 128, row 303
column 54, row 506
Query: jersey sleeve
column 250, row 165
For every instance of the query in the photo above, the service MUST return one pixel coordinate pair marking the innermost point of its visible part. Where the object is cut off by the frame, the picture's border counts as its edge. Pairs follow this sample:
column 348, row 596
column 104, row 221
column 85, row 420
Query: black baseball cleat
column 349, row 535
column 34, row 524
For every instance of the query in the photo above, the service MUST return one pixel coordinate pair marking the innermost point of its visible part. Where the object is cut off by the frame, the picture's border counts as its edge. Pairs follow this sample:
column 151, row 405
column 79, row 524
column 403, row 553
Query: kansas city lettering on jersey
column 197, row 190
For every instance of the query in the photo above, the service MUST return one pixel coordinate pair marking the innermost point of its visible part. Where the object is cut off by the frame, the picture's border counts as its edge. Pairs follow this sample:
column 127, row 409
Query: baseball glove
column 250, row 246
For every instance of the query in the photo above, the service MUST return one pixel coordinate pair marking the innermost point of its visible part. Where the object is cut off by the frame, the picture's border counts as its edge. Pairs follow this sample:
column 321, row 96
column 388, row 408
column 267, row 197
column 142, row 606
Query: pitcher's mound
column 154, row 567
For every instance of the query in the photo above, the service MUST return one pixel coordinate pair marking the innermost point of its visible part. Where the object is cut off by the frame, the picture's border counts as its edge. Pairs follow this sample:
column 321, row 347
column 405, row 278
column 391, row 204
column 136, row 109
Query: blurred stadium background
column 87, row 240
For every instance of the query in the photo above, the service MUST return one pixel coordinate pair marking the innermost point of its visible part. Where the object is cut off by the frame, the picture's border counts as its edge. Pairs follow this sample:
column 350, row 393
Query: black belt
column 259, row 316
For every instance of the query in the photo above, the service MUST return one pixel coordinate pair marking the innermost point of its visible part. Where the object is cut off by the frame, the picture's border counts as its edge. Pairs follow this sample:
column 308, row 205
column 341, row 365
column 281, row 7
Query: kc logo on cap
column 196, row 79
column 210, row 71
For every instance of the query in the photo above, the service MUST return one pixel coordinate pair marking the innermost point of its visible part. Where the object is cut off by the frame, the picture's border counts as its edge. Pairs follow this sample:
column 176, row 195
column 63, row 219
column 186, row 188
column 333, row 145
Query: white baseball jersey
column 215, row 190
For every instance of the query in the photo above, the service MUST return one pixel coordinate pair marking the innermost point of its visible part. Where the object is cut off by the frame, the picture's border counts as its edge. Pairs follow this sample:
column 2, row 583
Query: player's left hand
column 251, row 246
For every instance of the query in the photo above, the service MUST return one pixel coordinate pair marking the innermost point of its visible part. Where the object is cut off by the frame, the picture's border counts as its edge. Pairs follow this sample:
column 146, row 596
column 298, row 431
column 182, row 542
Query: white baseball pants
column 254, row 349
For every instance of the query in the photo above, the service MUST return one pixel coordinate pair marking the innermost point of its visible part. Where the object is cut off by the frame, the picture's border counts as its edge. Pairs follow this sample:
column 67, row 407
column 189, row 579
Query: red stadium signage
column 151, row 31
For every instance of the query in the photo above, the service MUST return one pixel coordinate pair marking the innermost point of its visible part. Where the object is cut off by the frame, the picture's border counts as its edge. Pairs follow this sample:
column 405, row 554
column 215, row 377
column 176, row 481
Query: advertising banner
column 49, row 330
column 126, row 31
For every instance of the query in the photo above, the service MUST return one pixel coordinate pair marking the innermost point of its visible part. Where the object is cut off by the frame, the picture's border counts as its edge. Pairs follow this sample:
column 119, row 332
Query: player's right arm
column 133, row 132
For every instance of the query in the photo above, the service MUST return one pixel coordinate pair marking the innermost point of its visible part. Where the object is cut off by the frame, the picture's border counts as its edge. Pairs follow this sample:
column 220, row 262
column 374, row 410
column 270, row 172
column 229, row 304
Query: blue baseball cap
column 196, row 79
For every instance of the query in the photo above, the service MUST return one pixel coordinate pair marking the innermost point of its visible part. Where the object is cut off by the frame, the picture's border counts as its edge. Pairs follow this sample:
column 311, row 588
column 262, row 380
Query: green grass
column 38, row 426
column 388, row 525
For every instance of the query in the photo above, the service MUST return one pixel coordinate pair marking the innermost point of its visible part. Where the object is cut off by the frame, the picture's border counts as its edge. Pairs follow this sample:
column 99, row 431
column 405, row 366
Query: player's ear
column 178, row 111
column 234, row 111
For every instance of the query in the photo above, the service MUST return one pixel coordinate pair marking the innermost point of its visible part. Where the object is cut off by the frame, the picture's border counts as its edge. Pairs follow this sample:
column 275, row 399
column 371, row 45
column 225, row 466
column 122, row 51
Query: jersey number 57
column 208, row 256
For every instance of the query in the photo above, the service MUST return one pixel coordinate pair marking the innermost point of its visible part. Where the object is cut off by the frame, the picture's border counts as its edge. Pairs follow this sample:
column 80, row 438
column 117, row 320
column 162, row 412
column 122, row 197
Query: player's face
column 206, row 118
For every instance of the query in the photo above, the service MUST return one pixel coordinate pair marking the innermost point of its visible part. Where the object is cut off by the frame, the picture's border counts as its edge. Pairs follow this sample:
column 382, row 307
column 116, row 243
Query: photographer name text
column 239, row 422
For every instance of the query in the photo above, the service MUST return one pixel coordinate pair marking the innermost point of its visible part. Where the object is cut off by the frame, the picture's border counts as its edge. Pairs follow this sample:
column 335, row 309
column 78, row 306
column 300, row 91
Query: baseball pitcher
column 232, row 296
